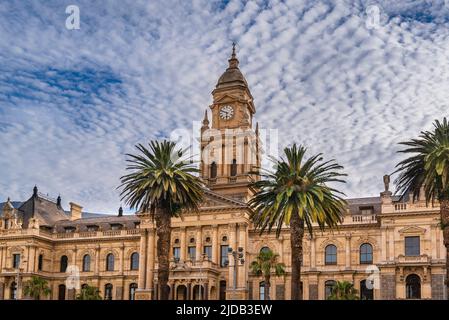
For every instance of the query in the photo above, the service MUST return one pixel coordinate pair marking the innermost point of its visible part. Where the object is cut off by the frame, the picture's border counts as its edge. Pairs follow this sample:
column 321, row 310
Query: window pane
column 192, row 253
column 223, row 256
column 366, row 253
column 331, row 254
column 135, row 261
column 40, row 263
column 262, row 290
column 86, row 263
column 365, row 292
column 16, row 261
column 328, row 285
column 63, row 266
column 412, row 246
column 176, row 253
column 208, row 251
column 110, row 262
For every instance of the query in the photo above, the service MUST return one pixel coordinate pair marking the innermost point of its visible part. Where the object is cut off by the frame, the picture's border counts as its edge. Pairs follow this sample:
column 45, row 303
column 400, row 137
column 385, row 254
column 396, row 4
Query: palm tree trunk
column 444, row 212
column 163, row 231
column 296, row 237
column 267, row 288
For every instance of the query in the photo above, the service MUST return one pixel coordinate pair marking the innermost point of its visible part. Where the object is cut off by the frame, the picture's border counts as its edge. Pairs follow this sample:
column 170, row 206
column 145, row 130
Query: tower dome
column 232, row 76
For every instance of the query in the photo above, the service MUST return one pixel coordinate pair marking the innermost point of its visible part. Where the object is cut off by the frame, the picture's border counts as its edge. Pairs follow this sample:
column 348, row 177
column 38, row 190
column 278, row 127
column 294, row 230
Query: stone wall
column 437, row 283
column 280, row 292
column 313, row 291
column 387, row 287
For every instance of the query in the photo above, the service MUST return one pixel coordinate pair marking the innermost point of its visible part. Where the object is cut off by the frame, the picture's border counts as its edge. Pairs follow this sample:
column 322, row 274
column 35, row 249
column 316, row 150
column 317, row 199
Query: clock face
column 226, row 112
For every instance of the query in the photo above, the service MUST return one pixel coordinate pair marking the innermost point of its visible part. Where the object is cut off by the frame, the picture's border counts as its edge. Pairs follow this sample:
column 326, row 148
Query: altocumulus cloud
column 73, row 102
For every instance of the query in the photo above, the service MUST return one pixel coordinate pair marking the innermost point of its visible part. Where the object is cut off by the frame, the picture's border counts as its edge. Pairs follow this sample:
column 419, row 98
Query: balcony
column 413, row 260
column 69, row 235
column 360, row 219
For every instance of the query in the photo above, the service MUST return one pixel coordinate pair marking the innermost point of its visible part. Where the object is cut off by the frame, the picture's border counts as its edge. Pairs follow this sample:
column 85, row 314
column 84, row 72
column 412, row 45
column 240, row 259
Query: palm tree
column 343, row 290
column 297, row 193
column 36, row 287
column 427, row 168
column 163, row 184
column 89, row 293
column 266, row 262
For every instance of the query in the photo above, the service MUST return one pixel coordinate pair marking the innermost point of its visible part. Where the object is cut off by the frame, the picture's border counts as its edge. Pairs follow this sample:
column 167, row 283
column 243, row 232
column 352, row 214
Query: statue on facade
column 387, row 182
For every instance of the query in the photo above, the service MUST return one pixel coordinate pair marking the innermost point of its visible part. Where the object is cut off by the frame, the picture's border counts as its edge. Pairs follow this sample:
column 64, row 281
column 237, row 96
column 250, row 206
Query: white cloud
column 73, row 102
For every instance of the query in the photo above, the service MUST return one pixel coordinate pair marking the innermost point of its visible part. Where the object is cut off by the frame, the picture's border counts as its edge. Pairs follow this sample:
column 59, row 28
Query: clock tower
column 229, row 146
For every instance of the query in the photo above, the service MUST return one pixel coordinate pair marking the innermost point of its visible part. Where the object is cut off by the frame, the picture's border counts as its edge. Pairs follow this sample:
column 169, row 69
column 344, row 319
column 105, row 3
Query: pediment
column 412, row 230
column 215, row 200
column 226, row 98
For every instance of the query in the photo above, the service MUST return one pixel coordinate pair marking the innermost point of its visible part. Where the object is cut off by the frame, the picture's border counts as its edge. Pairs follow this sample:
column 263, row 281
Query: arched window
column 413, row 287
column 86, row 263
column 366, row 253
column 108, row 291
column 262, row 290
column 265, row 249
column 213, row 170
column 328, row 286
column 110, row 262
column 63, row 264
column 61, row 292
column 40, row 262
column 330, row 254
column 13, row 291
column 234, row 168
column 135, row 261
column 365, row 292
column 181, row 292
column 132, row 291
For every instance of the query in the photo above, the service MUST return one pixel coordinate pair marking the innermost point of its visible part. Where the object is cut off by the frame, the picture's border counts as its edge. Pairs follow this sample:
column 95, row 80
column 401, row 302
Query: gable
column 215, row 200
column 412, row 230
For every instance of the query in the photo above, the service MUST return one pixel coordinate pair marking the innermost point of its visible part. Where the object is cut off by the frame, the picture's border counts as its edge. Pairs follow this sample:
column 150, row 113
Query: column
column 5, row 262
column 150, row 259
column 433, row 240
column 242, row 274
column 74, row 257
column 215, row 244
column 97, row 260
column 142, row 257
column 1, row 259
column 122, row 259
column 233, row 245
column 189, row 289
column 183, row 244
column 384, row 244
column 199, row 241
column 348, row 251
column 391, row 244
column 313, row 253
column 206, row 291
column 31, row 258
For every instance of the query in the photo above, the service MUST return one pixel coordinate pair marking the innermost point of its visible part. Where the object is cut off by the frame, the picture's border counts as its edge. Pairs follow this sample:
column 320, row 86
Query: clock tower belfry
column 230, row 147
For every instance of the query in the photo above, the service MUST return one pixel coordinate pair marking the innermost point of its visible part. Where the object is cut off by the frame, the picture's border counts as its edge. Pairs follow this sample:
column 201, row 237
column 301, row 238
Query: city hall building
column 387, row 246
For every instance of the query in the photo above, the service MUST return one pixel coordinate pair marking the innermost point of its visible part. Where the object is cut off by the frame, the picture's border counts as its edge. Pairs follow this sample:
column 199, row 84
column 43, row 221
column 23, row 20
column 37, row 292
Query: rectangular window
column 208, row 252
column 192, row 253
column 116, row 226
column 16, row 260
column 366, row 210
column 412, row 246
column 223, row 256
column 92, row 228
column 176, row 253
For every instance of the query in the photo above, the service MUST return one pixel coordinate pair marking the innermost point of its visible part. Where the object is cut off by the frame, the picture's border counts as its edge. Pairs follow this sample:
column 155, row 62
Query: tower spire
column 233, row 62
column 205, row 120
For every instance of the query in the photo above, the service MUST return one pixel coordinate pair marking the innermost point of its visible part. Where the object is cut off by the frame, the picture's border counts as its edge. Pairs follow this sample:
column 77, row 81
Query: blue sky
column 73, row 102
